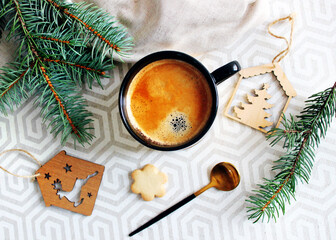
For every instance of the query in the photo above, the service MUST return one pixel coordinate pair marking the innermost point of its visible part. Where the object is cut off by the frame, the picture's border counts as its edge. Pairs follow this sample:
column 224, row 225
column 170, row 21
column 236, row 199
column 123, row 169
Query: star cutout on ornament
column 47, row 176
column 67, row 168
column 89, row 195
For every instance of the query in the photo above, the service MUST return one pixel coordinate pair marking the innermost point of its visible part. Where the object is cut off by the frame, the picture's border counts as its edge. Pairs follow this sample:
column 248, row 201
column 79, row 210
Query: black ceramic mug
column 211, row 79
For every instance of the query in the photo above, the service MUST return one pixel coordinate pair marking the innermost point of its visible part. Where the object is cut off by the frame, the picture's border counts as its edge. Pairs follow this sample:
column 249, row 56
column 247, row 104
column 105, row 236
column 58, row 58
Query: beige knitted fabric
column 192, row 26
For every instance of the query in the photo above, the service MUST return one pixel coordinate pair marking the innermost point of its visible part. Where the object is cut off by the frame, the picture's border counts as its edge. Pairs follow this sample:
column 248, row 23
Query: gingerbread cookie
column 149, row 182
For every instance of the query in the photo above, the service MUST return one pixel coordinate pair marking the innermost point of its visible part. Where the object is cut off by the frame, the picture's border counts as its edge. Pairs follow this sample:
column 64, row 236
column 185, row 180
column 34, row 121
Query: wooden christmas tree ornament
column 70, row 183
column 253, row 112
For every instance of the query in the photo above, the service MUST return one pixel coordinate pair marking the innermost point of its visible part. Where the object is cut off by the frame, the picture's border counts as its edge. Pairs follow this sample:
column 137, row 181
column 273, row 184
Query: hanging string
column 283, row 53
column 26, row 152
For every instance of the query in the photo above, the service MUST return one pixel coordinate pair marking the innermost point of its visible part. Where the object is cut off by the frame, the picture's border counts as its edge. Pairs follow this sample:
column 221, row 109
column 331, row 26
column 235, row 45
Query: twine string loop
column 284, row 52
column 26, row 152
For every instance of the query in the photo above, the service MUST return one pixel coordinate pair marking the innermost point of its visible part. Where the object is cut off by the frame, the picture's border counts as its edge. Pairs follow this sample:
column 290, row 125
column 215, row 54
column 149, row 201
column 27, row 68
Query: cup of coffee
column 168, row 100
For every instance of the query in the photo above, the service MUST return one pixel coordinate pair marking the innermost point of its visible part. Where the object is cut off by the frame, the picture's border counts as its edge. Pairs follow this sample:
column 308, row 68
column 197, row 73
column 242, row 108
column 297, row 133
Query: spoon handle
column 163, row 214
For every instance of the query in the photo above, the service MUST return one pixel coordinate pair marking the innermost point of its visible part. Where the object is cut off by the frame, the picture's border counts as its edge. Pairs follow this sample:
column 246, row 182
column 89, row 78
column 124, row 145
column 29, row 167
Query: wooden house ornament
column 70, row 183
column 253, row 113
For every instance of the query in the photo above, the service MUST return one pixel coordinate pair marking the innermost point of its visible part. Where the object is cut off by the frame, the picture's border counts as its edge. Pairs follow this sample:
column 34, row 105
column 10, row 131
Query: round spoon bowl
column 224, row 176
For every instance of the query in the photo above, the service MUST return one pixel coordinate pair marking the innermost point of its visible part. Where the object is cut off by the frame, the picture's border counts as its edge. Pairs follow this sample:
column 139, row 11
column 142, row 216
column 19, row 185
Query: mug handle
column 225, row 71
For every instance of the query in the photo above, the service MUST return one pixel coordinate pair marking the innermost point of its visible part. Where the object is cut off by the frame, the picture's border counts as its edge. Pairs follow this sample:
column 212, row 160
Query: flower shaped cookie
column 149, row 182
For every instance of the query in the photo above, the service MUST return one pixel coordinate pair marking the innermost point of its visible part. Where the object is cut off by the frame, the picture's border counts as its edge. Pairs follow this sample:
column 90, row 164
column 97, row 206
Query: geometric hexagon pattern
column 310, row 66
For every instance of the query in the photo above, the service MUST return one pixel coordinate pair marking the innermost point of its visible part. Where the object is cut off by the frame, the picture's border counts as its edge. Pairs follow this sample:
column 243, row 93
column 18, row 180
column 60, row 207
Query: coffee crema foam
column 168, row 102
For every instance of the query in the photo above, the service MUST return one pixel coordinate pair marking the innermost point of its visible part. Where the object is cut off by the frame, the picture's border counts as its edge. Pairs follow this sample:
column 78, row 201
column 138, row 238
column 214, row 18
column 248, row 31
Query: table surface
column 310, row 66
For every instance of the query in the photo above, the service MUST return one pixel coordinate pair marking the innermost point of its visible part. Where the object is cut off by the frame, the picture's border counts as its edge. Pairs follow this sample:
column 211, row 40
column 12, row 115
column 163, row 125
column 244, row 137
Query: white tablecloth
column 310, row 67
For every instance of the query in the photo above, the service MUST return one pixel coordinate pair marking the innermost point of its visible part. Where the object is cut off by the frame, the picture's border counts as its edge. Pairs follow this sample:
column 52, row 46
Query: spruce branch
column 111, row 37
column 59, row 101
column 12, row 79
column 60, row 47
column 301, row 137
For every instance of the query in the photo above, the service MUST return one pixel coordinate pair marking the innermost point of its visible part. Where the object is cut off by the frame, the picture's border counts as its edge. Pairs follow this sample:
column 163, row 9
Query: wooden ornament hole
column 73, row 196
column 277, row 98
column 261, row 96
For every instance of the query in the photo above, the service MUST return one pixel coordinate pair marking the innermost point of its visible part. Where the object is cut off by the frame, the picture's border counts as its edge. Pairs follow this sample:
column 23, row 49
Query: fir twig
column 301, row 137
column 60, row 46
column 54, row 39
column 75, row 65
